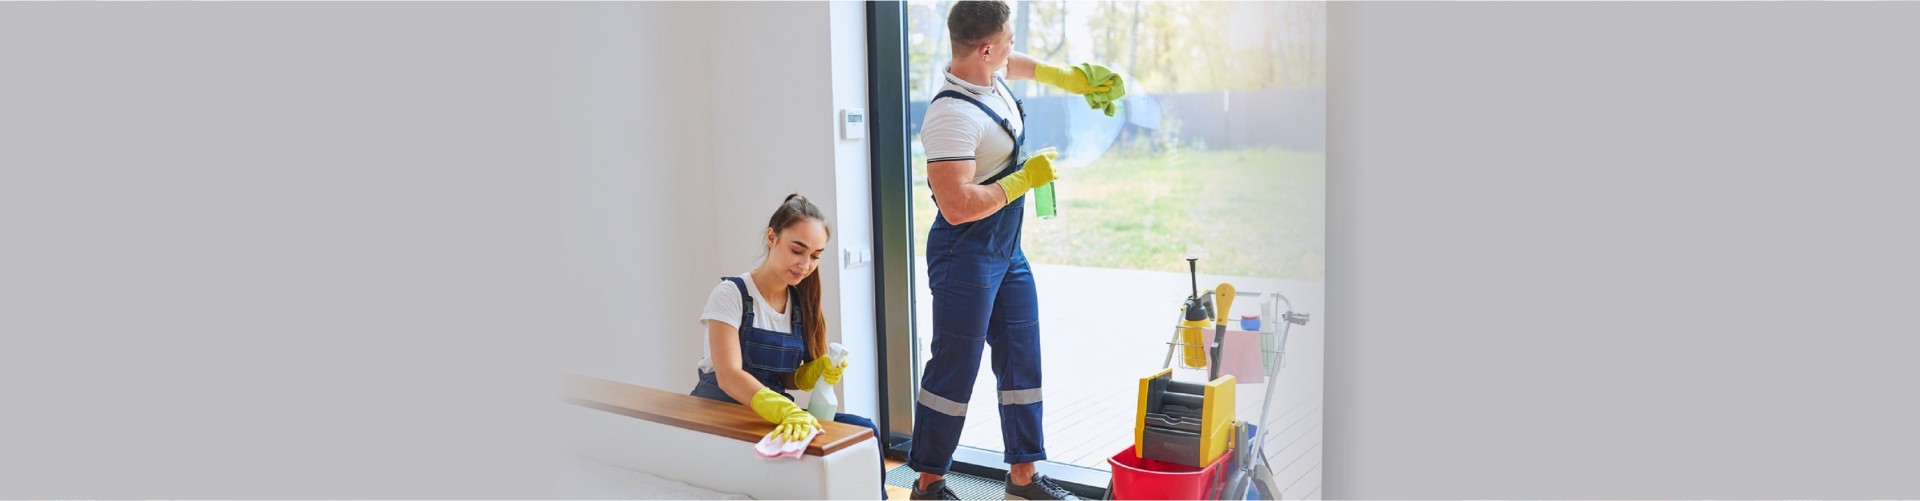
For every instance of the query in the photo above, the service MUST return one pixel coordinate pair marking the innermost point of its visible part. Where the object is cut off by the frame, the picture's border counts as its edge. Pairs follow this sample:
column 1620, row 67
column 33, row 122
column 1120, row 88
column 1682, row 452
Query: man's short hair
column 972, row 22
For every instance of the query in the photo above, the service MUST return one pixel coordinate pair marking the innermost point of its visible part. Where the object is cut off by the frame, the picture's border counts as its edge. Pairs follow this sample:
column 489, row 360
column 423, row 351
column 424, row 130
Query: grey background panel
column 1622, row 250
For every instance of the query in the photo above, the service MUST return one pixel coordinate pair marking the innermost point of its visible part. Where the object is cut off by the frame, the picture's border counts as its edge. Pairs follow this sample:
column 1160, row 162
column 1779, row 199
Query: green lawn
column 1255, row 212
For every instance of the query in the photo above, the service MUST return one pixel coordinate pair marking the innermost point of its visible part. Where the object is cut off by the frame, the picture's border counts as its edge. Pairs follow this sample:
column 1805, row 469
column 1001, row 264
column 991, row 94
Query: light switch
column 857, row 256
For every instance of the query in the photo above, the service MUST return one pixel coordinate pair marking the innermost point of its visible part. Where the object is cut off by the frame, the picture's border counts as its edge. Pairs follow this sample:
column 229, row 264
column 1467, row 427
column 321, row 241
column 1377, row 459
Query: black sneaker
column 1041, row 488
column 936, row 490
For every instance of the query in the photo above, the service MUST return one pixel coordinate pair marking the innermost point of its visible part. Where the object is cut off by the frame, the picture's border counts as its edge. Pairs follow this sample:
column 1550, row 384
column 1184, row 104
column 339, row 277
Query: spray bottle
column 1044, row 203
column 823, row 403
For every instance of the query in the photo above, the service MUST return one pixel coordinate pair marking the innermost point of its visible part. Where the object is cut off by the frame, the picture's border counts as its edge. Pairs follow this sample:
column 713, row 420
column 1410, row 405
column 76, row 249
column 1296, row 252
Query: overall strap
column 1005, row 125
column 1018, row 107
column 799, row 321
column 746, row 302
column 794, row 309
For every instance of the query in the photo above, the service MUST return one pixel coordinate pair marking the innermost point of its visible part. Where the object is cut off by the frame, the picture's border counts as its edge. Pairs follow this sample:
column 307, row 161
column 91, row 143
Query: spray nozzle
column 837, row 352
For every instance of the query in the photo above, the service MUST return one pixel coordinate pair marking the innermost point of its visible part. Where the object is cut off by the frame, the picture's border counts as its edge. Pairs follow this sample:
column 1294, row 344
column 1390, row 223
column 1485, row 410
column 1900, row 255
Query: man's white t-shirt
column 957, row 130
column 723, row 304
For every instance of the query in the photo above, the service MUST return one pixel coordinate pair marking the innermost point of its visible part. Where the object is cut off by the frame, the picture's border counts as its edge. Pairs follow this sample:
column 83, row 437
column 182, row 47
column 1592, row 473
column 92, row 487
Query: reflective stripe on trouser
column 983, row 294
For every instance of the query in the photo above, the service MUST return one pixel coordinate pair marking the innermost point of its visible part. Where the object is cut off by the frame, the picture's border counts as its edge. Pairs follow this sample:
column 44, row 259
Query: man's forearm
column 971, row 202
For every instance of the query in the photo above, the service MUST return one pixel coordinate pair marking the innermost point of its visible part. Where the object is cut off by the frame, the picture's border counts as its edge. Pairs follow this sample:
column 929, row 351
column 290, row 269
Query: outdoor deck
column 1104, row 329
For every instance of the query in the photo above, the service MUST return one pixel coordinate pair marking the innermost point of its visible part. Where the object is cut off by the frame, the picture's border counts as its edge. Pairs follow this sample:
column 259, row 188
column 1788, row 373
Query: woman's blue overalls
column 982, row 295
column 770, row 356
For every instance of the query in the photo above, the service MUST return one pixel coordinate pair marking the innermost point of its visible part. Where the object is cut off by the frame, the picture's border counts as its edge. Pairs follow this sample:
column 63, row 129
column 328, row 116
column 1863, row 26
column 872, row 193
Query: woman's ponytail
column 816, row 320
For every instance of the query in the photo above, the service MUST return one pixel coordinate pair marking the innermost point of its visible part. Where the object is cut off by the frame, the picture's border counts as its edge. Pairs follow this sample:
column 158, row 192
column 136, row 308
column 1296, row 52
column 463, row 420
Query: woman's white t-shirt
column 723, row 304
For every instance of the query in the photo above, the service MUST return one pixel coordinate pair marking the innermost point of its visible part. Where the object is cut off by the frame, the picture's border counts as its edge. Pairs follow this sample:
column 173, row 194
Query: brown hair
column 791, row 211
column 970, row 22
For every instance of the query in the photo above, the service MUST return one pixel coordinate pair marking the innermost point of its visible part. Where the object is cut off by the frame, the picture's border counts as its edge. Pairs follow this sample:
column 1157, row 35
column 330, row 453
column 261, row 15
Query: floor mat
column 965, row 486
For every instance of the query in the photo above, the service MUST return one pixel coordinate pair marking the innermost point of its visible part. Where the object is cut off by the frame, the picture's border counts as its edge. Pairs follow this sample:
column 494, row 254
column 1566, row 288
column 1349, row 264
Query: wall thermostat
column 853, row 123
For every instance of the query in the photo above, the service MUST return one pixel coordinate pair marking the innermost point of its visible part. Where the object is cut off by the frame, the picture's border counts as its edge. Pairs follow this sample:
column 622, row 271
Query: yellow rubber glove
column 1037, row 171
column 1073, row 79
column 791, row 422
column 809, row 372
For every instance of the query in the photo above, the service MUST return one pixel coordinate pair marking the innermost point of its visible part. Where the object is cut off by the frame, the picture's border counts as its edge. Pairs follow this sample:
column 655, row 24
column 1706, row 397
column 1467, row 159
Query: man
column 983, row 291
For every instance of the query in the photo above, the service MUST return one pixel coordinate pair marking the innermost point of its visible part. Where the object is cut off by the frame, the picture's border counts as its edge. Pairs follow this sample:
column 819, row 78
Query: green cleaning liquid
column 1043, row 202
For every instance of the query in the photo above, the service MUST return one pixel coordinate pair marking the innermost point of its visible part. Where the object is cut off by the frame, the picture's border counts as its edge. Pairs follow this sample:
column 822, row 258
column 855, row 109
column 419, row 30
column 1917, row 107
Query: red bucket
column 1140, row 478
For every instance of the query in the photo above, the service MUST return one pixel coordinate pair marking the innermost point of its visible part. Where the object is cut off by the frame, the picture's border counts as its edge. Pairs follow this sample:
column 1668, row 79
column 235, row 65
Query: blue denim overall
column 983, row 294
column 770, row 356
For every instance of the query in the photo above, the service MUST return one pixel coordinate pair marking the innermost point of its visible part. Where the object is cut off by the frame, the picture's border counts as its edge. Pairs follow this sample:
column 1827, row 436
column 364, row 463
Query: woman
column 765, row 329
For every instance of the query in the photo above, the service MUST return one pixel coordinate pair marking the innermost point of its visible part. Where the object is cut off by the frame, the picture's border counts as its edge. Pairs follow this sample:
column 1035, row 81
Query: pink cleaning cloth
column 1240, row 356
column 773, row 447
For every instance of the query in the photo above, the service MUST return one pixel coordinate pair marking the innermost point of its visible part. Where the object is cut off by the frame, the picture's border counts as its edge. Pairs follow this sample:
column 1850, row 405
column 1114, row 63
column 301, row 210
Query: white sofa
column 709, row 444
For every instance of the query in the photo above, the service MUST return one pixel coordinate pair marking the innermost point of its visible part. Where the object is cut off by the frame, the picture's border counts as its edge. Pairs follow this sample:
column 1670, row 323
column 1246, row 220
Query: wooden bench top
column 709, row 416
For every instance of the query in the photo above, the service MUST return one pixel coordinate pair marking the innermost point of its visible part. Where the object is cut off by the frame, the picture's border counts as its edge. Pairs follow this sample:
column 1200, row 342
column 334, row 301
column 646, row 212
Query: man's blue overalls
column 982, row 294
column 770, row 356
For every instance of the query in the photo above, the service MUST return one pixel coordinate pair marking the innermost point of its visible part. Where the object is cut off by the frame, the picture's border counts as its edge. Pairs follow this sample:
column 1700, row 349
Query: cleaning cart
column 1242, row 471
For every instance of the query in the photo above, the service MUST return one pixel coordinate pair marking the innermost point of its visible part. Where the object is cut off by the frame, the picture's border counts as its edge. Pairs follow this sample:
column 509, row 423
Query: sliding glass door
column 1217, row 152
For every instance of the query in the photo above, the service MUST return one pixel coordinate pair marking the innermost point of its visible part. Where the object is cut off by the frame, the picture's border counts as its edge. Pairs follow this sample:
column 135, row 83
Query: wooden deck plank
column 1287, row 474
column 1287, row 443
column 1310, row 477
column 1098, row 444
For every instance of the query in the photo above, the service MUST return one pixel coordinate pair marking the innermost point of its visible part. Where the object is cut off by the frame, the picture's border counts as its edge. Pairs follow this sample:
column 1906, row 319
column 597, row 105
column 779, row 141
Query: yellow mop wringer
column 1185, row 423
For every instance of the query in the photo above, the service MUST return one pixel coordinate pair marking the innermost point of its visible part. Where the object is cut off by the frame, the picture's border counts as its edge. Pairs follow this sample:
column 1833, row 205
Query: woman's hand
column 791, row 423
column 809, row 372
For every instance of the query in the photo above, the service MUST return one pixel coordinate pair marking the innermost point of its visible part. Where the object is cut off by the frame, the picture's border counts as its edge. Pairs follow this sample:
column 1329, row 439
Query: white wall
column 738, row 102
column 639, row 222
